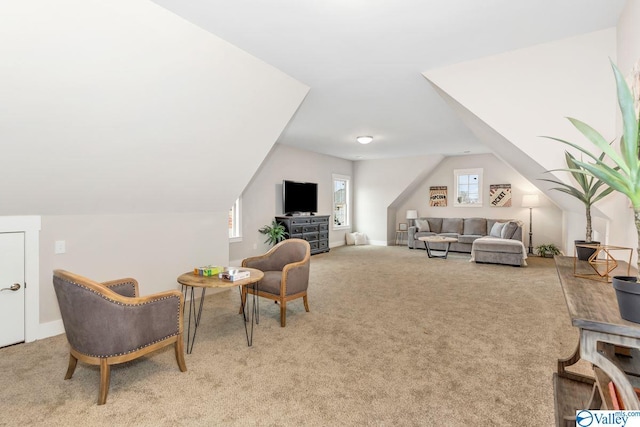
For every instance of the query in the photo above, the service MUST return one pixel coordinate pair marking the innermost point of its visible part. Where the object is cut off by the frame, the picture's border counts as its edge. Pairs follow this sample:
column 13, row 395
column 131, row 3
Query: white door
column 11, row 288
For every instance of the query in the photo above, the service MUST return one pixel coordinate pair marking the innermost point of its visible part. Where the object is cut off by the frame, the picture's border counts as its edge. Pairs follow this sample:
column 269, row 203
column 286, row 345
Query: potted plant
column 548, row 250
column 620, row 171
column 589, row 190
column 275, row 232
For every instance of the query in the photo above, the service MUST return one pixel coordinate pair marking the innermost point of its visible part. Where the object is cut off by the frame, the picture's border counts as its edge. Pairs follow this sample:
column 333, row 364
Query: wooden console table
column 593, row 309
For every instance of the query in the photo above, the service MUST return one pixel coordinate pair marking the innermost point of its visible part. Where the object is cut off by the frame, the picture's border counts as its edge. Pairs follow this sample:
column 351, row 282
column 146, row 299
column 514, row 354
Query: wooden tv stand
column 604, row 339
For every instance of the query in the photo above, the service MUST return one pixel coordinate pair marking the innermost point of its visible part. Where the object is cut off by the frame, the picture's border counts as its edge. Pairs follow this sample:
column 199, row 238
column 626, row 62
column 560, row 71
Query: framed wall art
column 500, row 195
column 438, row 196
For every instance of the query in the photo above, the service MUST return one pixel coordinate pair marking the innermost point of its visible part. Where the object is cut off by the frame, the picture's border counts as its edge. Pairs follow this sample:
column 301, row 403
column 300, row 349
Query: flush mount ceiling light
column 364, row 139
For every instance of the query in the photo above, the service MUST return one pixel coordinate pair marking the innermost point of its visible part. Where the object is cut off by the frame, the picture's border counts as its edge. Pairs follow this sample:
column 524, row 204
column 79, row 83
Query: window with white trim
column 341, row 190
column 468, row 187
column 235, row 228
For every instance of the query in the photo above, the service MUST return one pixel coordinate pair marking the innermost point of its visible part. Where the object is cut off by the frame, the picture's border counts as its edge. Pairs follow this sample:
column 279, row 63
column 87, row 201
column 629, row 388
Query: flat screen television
column 299, row 197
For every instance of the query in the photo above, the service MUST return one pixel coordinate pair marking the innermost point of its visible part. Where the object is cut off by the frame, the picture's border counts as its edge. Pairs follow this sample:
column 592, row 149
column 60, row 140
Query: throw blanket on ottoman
column 495, row 250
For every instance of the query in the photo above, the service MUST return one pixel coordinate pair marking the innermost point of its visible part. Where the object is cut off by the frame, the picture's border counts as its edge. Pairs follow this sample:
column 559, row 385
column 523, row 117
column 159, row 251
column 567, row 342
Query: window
column 468, row 187
column 341, row 201
column 235, row 228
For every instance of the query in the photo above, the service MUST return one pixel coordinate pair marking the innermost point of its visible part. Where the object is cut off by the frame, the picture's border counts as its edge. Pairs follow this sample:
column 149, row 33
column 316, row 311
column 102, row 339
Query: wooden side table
column 400, row 236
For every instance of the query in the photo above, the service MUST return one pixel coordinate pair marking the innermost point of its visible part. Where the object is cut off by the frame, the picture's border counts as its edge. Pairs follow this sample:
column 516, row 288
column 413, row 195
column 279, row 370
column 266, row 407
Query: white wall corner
column 50, row 329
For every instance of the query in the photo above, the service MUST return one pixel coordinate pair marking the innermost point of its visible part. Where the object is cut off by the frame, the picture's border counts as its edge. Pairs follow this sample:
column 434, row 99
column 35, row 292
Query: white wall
column 380, row 186
column 547, row 219
column 262, row 199
column 131, row 132
column 623, row 230
column 527, row 93
column 627, row 36
column 152, row 248
column 521, row 95
column 120, row 106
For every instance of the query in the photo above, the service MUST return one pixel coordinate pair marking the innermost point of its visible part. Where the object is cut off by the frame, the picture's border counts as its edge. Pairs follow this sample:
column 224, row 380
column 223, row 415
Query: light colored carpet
column 393, row 338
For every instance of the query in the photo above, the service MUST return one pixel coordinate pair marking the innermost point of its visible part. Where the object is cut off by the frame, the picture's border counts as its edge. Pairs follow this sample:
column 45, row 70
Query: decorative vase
column 628, row 295
column 582, row 253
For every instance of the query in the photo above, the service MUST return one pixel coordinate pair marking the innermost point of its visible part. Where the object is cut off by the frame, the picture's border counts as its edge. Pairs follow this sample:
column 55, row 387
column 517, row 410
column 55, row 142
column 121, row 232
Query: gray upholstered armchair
column 107, row 323
column 286, row 274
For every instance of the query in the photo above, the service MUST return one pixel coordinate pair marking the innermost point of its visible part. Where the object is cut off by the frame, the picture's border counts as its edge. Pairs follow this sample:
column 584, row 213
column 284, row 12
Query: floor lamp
column 412, row 214
column 530, row 201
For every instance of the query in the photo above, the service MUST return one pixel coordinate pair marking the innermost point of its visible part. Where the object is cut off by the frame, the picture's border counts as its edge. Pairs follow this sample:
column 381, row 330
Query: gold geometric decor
column 601, row 262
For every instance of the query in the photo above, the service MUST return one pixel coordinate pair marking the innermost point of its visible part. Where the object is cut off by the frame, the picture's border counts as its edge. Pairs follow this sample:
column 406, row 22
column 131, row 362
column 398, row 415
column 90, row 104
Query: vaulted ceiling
column 363, row 60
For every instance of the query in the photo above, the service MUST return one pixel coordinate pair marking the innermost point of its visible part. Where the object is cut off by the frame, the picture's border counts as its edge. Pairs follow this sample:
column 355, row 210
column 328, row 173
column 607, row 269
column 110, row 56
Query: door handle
column 13, row 287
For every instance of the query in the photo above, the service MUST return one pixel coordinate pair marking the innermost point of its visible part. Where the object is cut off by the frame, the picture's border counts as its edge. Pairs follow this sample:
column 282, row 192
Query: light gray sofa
column 474, row 236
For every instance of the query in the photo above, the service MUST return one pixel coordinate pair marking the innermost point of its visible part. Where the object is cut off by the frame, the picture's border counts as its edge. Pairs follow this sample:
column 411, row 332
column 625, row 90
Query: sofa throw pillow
column 423, row 225
column 509, row 230
column 496, row 230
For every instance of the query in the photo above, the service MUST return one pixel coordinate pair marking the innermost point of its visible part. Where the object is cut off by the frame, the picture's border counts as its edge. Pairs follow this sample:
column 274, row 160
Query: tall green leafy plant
column 619, row 170
column 589, row 189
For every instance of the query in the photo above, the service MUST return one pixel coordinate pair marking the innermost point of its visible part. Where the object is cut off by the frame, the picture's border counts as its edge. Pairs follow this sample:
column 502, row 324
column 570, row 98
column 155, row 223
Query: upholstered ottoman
column 494, row 250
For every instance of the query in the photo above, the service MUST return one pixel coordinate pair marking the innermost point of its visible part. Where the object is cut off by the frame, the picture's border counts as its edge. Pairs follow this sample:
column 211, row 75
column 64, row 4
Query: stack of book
column 234, row 274
column 208, row 270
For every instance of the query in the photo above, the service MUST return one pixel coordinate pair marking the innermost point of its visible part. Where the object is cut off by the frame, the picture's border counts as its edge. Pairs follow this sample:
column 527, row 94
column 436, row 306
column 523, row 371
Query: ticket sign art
column 438, row 196
column 500, row 195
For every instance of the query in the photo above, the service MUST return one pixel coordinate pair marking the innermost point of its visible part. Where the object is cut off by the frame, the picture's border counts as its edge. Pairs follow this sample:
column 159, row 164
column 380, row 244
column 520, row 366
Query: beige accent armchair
column 107, row 323
column 286, row 274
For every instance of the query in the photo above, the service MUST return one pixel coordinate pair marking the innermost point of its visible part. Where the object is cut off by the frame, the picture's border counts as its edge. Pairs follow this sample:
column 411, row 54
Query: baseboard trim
column 50, row 329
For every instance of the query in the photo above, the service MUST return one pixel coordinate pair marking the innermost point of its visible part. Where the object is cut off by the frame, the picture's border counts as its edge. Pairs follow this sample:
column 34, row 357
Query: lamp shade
column 412, row 214
column 530, row 201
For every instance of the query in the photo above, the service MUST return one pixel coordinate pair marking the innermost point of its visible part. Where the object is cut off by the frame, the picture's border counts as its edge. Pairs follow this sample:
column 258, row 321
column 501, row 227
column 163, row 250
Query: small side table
column 190, row 281
column 400, row 236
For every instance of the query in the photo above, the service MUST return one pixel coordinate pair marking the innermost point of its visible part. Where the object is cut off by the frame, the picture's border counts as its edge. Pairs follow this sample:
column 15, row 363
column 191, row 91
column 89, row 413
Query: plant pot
column 583, row 254
column 628, row 295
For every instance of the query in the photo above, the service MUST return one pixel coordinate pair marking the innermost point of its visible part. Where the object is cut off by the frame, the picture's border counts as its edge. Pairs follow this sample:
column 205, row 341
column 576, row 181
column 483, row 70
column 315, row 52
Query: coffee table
column 190, row 281
column 437, row 239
